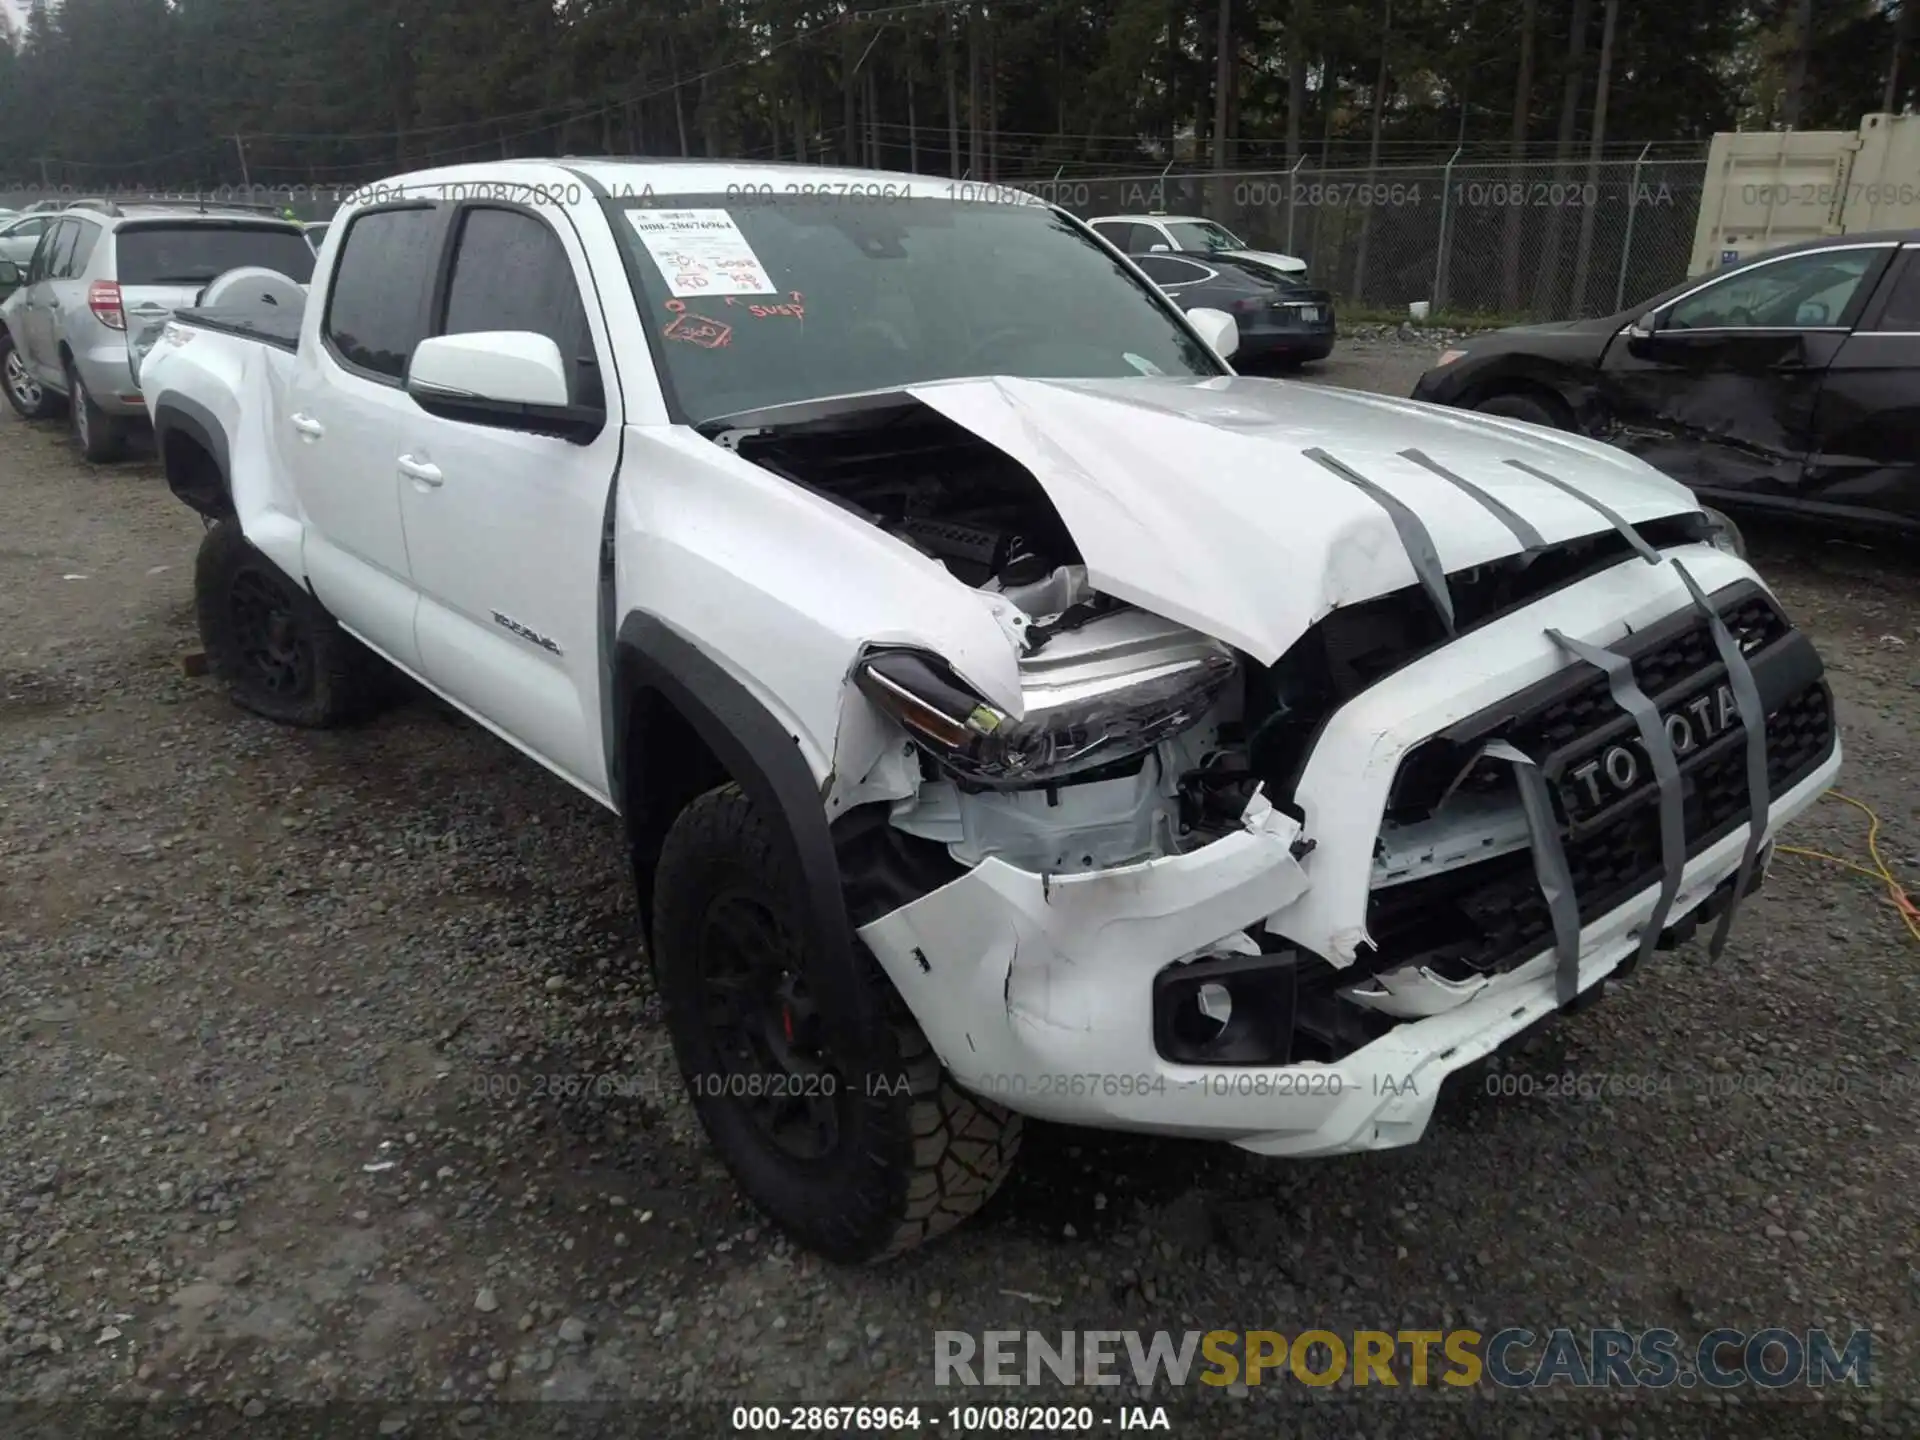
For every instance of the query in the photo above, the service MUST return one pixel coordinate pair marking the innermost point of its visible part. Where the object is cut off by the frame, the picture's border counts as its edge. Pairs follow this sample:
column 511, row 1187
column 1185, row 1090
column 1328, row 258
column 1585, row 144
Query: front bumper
column 1038, row 991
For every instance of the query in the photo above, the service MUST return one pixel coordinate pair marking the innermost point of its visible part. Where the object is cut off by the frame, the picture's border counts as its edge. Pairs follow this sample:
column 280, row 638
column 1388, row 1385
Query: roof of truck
column 623, row 176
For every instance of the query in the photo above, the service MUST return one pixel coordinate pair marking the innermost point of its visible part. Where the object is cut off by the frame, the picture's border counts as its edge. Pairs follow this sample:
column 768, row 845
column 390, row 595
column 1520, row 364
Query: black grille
column 1554, row 715
column 1754, row 623
column 1490, row 916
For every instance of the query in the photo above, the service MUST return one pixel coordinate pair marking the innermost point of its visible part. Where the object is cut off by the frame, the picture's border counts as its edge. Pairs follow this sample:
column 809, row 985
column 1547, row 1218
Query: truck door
column 340, row 424
column 1720, row 394
column 1865, row 463
column 504, row 525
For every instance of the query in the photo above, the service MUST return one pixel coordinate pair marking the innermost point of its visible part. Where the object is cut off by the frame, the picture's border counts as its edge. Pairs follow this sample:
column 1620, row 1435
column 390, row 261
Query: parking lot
column 329, row 1070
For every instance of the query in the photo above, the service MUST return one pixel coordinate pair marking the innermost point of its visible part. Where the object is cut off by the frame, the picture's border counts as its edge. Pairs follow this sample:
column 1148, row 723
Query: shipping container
column 1765, row 189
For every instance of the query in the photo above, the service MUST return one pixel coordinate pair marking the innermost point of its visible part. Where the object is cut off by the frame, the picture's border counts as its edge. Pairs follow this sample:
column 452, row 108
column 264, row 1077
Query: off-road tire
column 338, row 680
column 45, row 403
column 1515, row 406
column 102, row 437
column 911, row 1161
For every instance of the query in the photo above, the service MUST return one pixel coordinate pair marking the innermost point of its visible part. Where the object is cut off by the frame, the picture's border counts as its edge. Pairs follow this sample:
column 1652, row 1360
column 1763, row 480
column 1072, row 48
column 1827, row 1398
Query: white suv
column 94, row 272
column 1158, row 234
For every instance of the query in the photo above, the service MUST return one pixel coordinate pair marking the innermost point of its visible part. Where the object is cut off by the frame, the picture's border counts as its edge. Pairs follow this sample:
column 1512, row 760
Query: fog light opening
column 1215, row 1002
column 1229, row 1010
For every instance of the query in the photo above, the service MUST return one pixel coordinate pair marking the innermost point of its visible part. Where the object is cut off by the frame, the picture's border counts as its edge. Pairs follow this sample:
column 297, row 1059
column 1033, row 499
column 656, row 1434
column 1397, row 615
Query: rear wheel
column 1521, row 407
column 102, row 437
column 27, row 395
column 858, row 1145
column 280, row 653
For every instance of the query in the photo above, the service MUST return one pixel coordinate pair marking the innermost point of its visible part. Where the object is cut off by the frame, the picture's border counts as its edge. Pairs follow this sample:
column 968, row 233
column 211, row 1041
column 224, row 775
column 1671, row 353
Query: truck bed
column 269, row 324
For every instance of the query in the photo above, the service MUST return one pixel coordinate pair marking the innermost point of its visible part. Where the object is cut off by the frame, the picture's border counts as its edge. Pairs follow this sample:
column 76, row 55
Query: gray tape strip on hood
column 1628, row 695
column 1753, row 717
column 1613, row 517
column 1549, row 867
column 1522, row 528
column 1414, row 538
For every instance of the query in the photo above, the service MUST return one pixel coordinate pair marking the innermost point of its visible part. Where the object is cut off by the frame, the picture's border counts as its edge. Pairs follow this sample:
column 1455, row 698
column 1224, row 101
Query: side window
column 60, row 257
column 1114, row 232
column 510, row 272
column 89, row 236
column 1145, row 237
column 1166, row 270
column 377, row 306
column 46, row 255
column 1902, row 311
column 1795, row 293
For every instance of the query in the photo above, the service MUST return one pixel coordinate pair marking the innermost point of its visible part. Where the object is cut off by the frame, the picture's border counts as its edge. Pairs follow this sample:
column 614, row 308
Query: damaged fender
column 1012, row 973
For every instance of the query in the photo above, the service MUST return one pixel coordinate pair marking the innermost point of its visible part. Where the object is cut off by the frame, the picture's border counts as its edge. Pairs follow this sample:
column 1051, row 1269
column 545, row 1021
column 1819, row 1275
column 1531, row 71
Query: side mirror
column 508, row 379
column 1641, row 333
column 1218, row 329
column 10, row 275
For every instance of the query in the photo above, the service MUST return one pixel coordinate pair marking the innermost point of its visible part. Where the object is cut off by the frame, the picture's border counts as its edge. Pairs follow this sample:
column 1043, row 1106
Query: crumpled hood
column 1196, row 499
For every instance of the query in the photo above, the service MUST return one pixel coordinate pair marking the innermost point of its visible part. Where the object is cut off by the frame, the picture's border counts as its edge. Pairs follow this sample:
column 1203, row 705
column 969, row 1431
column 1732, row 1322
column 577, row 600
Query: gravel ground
column 282, row 1013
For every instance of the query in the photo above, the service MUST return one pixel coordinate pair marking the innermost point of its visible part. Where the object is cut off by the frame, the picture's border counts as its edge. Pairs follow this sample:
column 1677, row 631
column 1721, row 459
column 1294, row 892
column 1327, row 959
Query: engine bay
column 904, row 468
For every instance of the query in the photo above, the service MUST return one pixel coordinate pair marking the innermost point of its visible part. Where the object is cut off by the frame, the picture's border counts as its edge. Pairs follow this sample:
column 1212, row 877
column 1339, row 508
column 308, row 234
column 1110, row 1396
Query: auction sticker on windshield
column 700, row 252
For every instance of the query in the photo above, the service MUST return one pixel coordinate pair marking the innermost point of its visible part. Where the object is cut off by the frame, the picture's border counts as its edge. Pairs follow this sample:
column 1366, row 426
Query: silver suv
column 63, row 331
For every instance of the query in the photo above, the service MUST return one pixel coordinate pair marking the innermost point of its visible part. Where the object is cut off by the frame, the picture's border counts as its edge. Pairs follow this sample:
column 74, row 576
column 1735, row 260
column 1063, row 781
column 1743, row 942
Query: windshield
column 772, row 302
column 1203, row 235
column 195, row 253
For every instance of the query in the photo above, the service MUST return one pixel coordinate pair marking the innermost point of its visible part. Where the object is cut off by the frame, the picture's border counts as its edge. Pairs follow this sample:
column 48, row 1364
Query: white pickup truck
column 1011, row 710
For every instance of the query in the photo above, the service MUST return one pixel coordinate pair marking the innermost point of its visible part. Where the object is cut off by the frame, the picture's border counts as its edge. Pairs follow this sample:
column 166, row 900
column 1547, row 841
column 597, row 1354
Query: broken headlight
column 1723, row 534
column 1065, row 730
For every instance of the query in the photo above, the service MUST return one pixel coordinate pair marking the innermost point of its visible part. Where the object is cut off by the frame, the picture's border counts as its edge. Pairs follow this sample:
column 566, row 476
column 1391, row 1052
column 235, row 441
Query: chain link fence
column 1535, row 240
column 308, row 202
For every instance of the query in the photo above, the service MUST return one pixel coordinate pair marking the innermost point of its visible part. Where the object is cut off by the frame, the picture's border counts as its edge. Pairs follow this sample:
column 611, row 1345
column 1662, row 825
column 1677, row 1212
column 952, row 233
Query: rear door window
column 1166, row 270
column 1901, row 313
column 82, row 247
column 377, row 307
column 193, row 254
column 57, row 249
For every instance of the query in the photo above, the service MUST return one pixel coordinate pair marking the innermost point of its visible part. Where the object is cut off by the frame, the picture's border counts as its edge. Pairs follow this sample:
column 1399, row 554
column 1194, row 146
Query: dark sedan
column 1787, row 382
column 1279, row 319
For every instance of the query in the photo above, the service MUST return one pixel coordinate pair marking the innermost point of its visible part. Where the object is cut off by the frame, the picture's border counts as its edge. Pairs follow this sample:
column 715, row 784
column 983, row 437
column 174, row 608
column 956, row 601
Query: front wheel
column 1521, row 407
column 849, row 1136
column 280, row 653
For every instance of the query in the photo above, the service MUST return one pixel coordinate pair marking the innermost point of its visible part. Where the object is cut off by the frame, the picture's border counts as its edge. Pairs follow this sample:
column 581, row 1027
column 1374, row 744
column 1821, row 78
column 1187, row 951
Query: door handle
column 421, row 471
column 311, row 428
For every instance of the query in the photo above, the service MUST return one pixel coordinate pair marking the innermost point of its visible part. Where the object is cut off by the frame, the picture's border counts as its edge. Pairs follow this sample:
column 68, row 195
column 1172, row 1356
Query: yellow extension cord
column 1879, row 870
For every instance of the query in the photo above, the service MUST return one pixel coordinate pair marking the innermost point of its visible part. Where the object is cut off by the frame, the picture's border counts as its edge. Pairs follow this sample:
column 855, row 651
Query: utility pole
column 240, row 146
column 953, row 94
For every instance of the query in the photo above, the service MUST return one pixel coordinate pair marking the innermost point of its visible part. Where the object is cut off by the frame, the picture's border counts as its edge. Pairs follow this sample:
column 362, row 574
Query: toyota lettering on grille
column 1621, row 769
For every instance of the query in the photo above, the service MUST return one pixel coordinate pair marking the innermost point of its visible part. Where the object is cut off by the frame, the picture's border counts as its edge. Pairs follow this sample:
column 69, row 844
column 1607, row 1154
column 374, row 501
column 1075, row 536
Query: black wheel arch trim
column 758, row 753
column 197, row 423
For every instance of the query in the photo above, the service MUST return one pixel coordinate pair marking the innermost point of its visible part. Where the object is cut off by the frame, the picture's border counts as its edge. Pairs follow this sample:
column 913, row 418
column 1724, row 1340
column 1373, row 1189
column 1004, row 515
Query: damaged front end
column 1189, row 868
